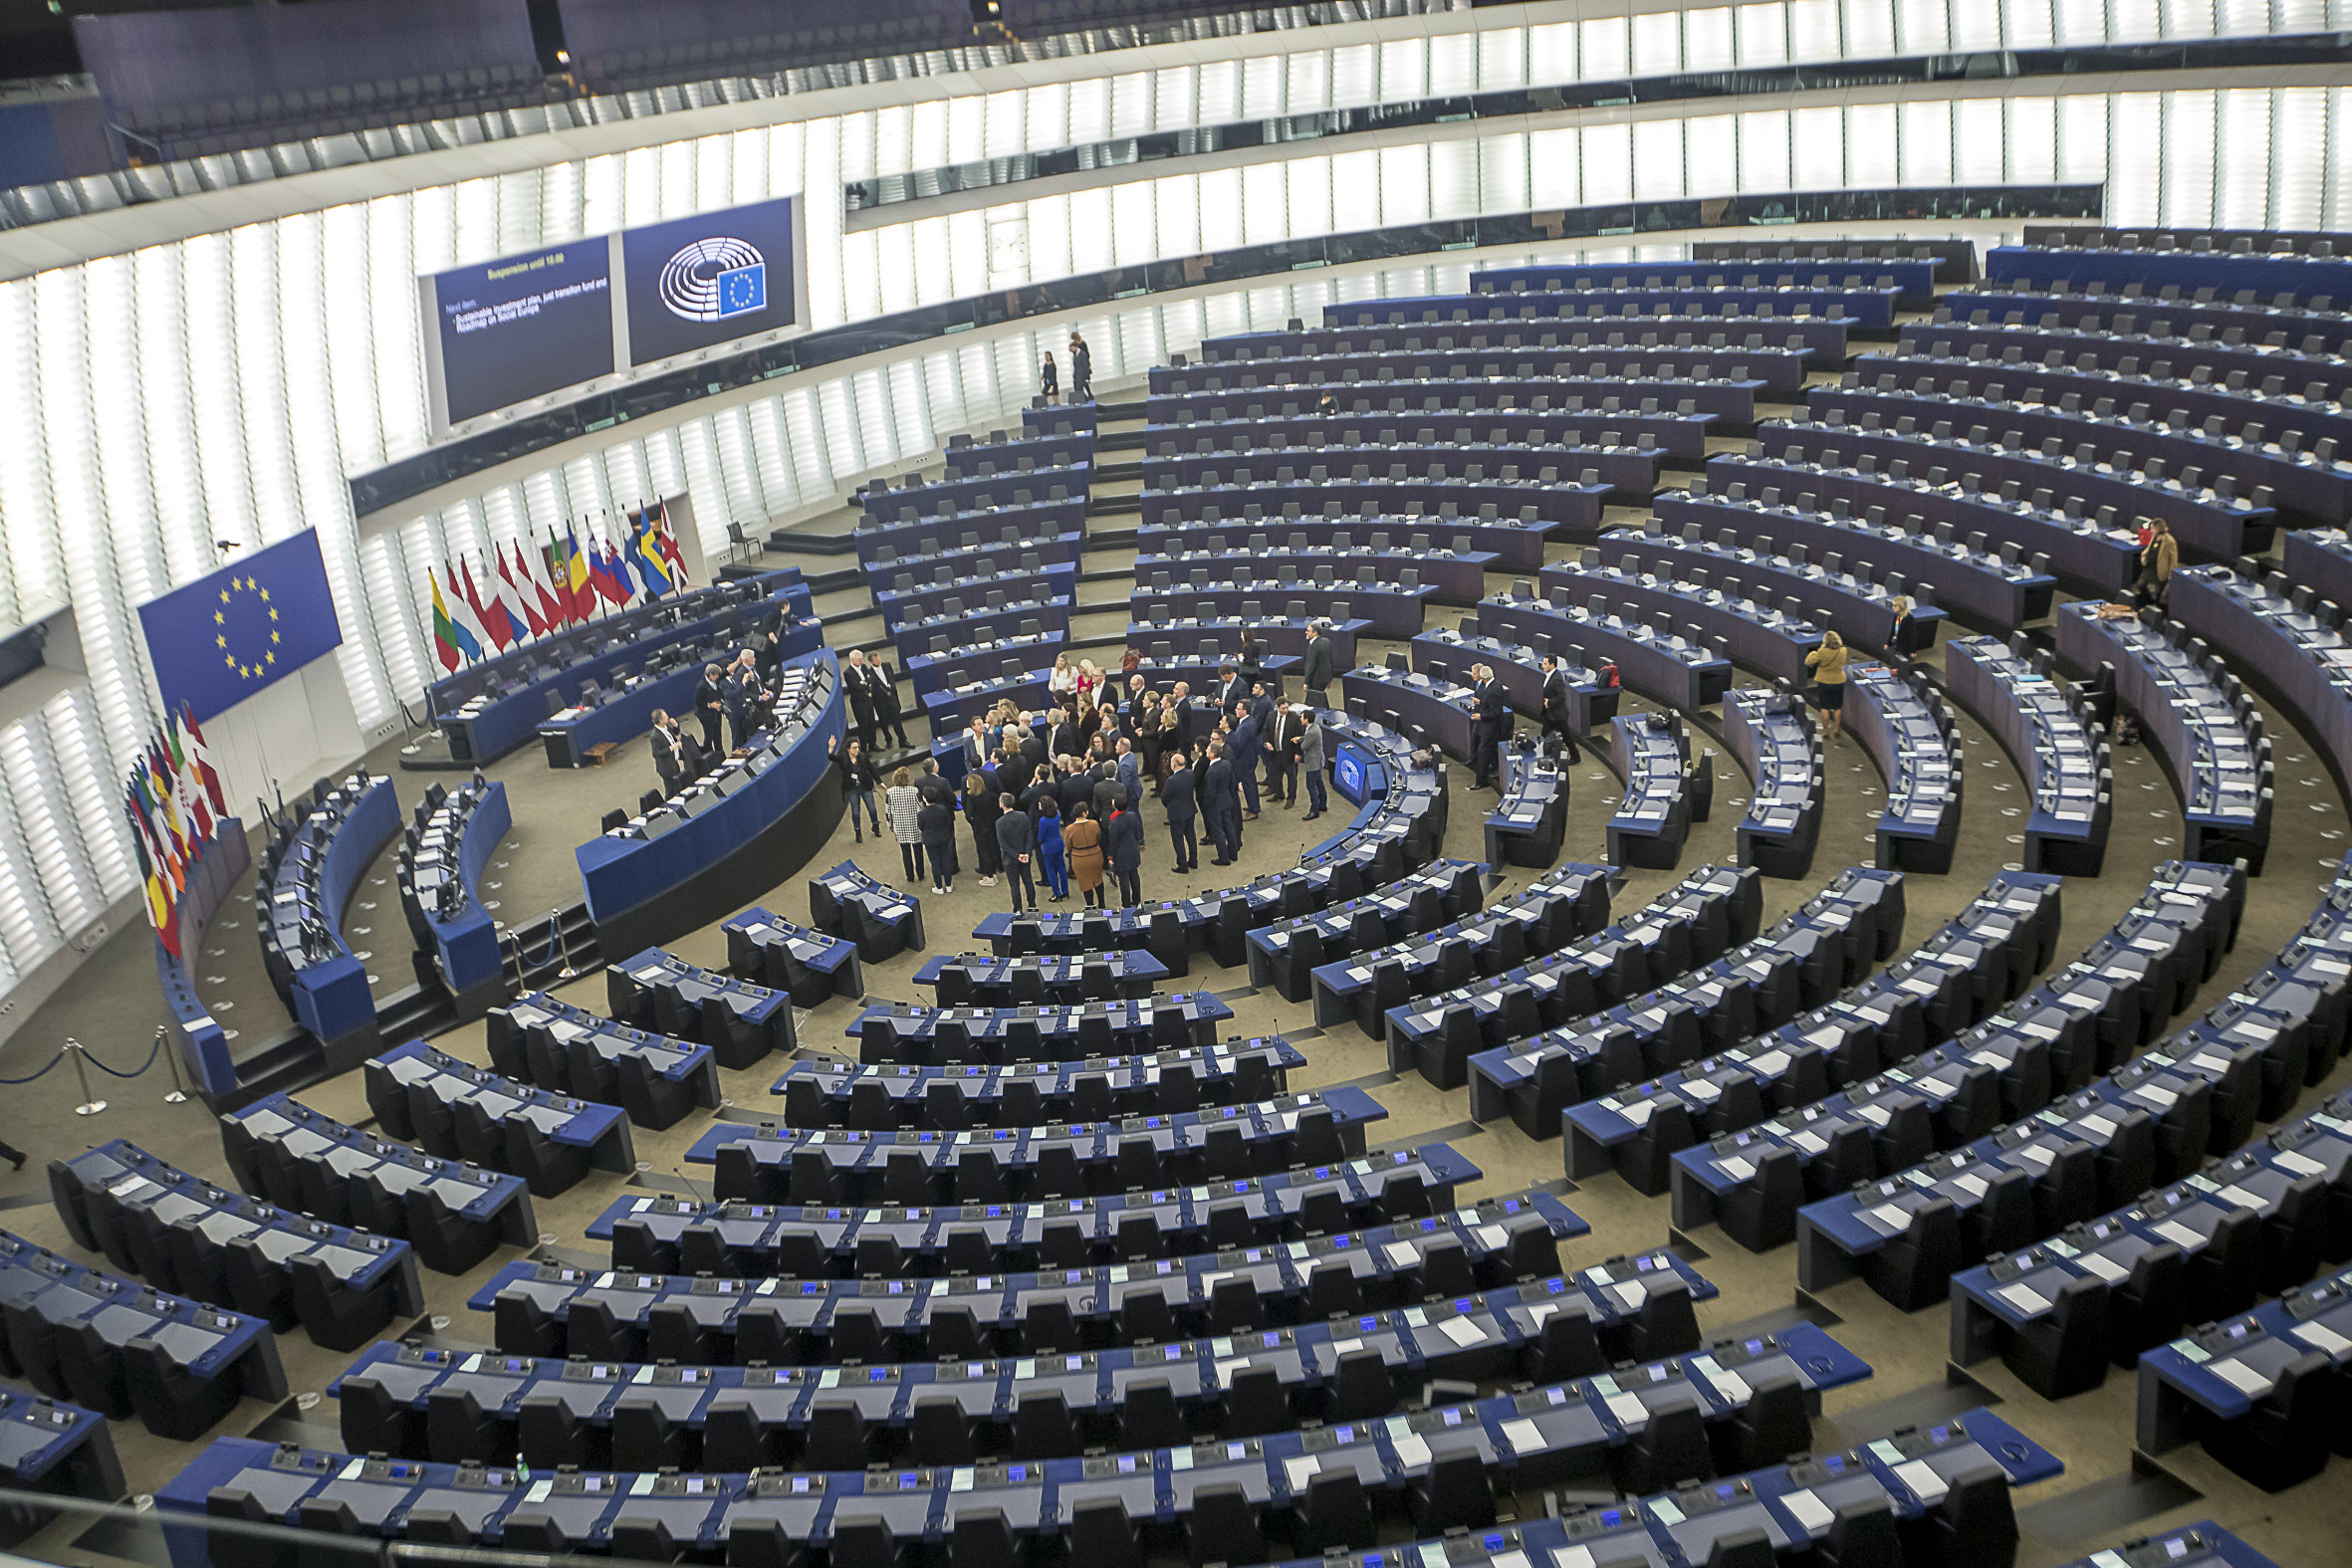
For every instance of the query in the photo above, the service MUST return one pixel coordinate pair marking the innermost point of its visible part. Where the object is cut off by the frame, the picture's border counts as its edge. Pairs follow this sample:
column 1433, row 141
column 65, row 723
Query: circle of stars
column 262, row 660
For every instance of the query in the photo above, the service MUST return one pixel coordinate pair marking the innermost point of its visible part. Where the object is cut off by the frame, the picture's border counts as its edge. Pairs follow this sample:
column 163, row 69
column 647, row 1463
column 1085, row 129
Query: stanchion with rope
column 555, row 920
column 91, row 1104
column 179, row 1093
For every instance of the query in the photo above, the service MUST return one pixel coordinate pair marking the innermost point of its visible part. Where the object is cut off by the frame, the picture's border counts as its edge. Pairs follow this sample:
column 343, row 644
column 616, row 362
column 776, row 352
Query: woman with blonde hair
column 1089, row 682
column 1064, row 678
column 1829, row 664
column 905, row 808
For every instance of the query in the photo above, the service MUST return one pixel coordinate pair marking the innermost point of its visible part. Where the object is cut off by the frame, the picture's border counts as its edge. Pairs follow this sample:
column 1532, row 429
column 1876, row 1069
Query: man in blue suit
column 1224, row 814
column 1241, row 750
column 1131, row 772
column 1122, row 846
column 1183, row 813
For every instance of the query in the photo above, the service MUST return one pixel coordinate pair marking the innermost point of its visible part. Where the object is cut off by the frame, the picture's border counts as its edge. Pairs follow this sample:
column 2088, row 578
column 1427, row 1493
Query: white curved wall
column 221, row 385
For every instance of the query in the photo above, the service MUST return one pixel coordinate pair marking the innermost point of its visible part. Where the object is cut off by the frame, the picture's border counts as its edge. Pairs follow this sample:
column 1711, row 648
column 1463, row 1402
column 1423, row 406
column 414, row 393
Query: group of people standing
column 872, row 689
column 738, row 694
column 1055, row 797
column 1082, row 374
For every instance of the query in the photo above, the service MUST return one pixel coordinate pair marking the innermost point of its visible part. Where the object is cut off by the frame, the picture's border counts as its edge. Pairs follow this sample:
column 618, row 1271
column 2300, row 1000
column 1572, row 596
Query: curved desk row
column 1514, row 541
column 1680, row 434
column 1232, row 589
column 881, row 922
column 807, row 1241
column 2047, row 266
column 49, row 1445
column 1435, row 709
column 1819, row 336
column 740, row 1020
column 1762, row 370
column 2293, row 651
column 899, row 1033
column 810, row 965
column 1663, row 796
column 1531, row 816
column 2274, row 326
column 1756, row 635
column 933, row 636
column 998, row 545
column 1828, row 943
column 499, row 703
column 451, row 1215
column 1773, row 738
column 1165, row 635
column 1492, row 298
column 1822, row 595
column 190, row 1238
column 2254, row 1386
column 973, row 980
column 1664, row 666
column 1914, row 560
column 440, row 873
column 822, row 1092
column 212, row 871
column 625, row 710
column 1915, row 278
column 949, row 597
column 1918, row 751
column 2311, row 377
column 570, row 1050
column 459, row 1111
column 1366, row 501
column 1285, row 954
column 2196, row 718
column 1033, row 447
column 1954, row 260
column 1447, row 654
column 717, row 840
column 121, row 1348
column 974, row 493
column 1983, row 957
column 1950, row 492
column 1690, row 923
column 2050, row 1042
column 2151, row 426
column 306, row 880
column 1733, row 401
column 2056, row 744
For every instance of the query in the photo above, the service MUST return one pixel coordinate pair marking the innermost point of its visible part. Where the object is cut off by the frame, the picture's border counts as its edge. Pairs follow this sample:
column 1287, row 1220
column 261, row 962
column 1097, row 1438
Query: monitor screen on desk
column 1348, row 765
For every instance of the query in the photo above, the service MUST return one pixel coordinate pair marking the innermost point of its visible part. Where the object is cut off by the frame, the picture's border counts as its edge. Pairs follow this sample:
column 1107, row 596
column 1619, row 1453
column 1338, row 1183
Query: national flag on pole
column 453, row 640
column 163, row 907
column 493, row 619
column 646, row 557
column 536, row 572
column 464, row 615
column 502, row 593
column 520, row 606
column 619, row 563
column 668, row 543
column 203, row 758
column 166, row 809
column 574, row 580
column 184, row 786
column 606, row 582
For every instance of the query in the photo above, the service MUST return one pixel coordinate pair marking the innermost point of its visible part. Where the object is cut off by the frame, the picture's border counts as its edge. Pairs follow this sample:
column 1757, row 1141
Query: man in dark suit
column 932, row 784
column 883, row 682
column 855, row 682
column 710, row 704
column 1241, row 750
column 1122, row 848
column 669, row 751
column 1183, row 809
column 1033, row 745
column 1224, row 814
column 1282, row 756
column 1321, row 664
column 1074, row 787
column 1231, row 688
column 1066, row 741
column 1310, row 763
column 1559, row 708
column 1016, row 843
column 741, row 693
column 1261, row 704
column 1182, row 698
column 1490, row 722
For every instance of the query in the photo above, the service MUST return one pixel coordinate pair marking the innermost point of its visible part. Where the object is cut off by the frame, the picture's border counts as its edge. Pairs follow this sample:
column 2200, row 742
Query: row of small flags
column 173, row 798
column 517, row 599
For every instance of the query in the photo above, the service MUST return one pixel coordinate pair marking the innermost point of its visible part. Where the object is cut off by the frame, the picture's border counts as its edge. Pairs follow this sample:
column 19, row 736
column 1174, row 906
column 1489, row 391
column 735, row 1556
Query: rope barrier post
column 91, row 1105
column 555, row 920
column 179, row 1093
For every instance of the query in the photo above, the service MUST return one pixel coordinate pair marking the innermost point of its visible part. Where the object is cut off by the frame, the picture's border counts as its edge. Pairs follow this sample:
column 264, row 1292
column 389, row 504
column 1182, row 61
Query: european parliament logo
column 246, row 633
column 714, row 279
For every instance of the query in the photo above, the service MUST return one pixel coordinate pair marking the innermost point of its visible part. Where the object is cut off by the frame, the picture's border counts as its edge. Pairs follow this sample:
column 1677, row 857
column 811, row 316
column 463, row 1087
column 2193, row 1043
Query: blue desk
column 1691, row 921
column 1458, row 579
column 50, row 1446
column 1759, row 983
column 496, row 705
column 2222, row 271
column 823, row 1092
column 2071, row 522
column 1531, row 816
column 1654, row 815
column 938, row 634
column 1514, row 542
column 945, row 670
column 1361, row 419
column 442, row 881
column 741, row 1022
column 1494, row 297
column 459, row 1111
column 1036, row 449
column 2291, row 653
column 1757, row 635
column 1774, row 369
column 124, row 1348
column 302, row 946
column 1664, row 666
column 973, row 980
column 977, row 494
column 900, row 1031
column 1564, row 903
column 2274, row 376
column 882, row 921
column 2206, row 732
column 810, row 964
column 1287, row 954
column 948, row 598
column 1773, row 738
column 1717, row 397
column 1436, row 711
column 572, row 1050
column 629, row 873
column 1008, row 549
column 2054, row 744
column 1821, row 337
column 624, row 713
column 1352, row 481
column 1986, row 954
column 1447, row 654
column 1913, row 277
column 203, row 1045
column 2215, row 1377
column 2278, row 324
column 1857, row 609
column 1917, row 753
column 1164, row 637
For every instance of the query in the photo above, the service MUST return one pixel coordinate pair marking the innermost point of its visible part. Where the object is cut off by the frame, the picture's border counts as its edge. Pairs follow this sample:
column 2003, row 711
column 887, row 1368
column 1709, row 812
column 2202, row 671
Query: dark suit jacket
column 1221, row 789
column 669, row 758
column 1122, row 841
column 1176, row 794
column 1230, row 692
column 885, row 690
column 1555, row 698
column 1017, row 835
column 1320, row 661
column 862, row 694
column 707, row 695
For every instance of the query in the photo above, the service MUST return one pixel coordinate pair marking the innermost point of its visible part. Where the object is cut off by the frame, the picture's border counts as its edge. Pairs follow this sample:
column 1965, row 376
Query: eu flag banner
column 217, row 640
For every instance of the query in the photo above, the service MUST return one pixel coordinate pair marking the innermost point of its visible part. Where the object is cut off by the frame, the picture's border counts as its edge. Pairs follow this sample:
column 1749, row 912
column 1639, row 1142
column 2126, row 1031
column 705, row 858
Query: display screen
column 1347, row 771
column 699, row 282
column 522, row 327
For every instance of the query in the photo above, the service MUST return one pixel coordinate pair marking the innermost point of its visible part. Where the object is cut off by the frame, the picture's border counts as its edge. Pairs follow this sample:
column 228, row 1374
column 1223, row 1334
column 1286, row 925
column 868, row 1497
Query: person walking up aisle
column 1176, row 798
column 905, row 806
column 1052, row 852
column 1016, row 843
column 1123, row 839
column 1310, row 763
column 857, row 782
